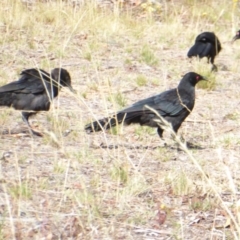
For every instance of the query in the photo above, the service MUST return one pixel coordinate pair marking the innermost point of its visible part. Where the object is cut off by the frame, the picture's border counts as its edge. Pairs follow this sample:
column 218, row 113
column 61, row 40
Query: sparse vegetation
column 148, row 56
column 121, row 101
column 69, row 184
column 141, row 80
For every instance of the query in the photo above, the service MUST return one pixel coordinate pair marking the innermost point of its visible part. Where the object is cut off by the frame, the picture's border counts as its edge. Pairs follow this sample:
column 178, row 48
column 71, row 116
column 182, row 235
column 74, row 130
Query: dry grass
column 73, row 187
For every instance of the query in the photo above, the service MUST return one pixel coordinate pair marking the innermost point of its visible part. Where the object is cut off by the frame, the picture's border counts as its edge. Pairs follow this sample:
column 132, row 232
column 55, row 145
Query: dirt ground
column 125, row 185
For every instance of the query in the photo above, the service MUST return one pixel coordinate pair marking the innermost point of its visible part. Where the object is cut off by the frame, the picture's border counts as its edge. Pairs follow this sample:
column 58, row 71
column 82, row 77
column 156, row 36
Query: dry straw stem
column 168, row 127
column 12, row 225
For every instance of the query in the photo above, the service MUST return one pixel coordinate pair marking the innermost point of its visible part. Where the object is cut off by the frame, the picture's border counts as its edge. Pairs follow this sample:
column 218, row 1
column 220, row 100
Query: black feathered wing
column 31, row 81
column 167, row 104
column 200, row 49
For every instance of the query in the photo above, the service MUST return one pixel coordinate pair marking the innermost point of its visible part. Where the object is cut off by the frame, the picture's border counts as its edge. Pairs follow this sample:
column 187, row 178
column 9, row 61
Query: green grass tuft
column 148, row 56
column 141, row 80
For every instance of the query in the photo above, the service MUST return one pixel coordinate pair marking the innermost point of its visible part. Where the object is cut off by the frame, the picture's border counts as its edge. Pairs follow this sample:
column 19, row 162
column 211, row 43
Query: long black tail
column 105, row 123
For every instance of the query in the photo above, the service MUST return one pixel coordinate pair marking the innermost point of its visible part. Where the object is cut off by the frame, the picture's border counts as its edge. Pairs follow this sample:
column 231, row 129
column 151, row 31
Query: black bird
column 34, row 91
column 173, row 105
column 206, row 45
column 236, row 37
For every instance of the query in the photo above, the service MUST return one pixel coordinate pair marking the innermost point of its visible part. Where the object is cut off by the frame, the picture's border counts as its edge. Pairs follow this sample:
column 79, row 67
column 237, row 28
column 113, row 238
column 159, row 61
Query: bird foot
column 190, row 145
column 193, row 146
column 32, row 132
column 36, row 133
column 214, row 68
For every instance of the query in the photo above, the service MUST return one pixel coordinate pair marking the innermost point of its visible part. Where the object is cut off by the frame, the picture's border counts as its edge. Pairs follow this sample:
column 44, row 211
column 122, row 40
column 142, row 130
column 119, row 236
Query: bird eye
column 197, row 78
column 204, row 39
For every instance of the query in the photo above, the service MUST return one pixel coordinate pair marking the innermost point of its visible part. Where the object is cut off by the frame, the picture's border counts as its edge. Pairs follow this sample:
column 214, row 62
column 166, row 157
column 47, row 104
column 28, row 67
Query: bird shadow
column 189, row 145
column 28, row 132
column 21, row 132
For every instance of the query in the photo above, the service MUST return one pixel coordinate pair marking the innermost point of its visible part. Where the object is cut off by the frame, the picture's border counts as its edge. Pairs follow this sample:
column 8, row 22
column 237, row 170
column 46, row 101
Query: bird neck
column 185, row 86
column 184, row 89
column 54, row 90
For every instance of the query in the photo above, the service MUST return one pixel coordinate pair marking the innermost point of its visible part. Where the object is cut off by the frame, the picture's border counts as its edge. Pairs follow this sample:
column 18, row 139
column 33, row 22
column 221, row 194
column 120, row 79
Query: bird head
column 236, row 37
column 209, row 37
column 206, row 37
column 192, row 78
column 62, row 76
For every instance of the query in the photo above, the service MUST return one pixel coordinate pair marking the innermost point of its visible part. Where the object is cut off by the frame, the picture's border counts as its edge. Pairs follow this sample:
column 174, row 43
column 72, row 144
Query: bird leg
column 160, row 132
column 25, row 116
column 214, row 67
